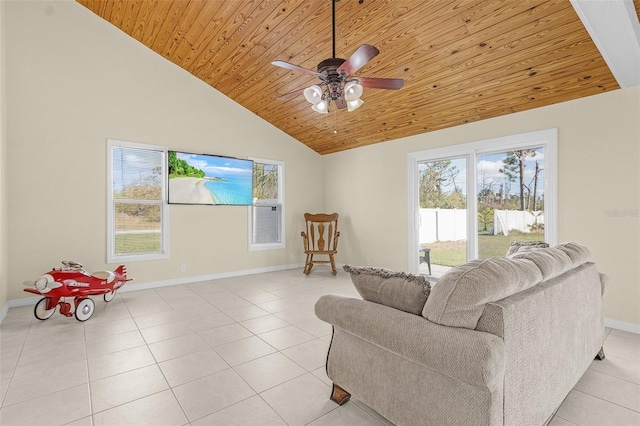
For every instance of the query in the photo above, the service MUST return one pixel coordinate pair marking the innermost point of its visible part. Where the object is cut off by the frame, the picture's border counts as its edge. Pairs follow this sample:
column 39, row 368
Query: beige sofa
column 498, row 341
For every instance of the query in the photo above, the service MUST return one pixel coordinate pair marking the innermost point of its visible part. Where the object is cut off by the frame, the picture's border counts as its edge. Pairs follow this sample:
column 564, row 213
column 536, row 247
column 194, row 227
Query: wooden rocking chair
column 320, row 237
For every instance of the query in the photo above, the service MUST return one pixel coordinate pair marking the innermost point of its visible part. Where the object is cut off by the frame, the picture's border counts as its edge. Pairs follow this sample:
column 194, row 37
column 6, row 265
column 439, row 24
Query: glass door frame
column 548, row 139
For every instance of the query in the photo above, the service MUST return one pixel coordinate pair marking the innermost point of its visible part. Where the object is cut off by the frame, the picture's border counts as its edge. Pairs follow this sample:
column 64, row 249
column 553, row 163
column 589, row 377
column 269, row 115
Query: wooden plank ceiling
column 462, row 60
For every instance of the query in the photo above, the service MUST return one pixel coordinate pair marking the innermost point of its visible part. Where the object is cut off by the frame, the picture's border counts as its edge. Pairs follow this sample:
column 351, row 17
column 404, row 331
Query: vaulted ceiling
column 462, row 61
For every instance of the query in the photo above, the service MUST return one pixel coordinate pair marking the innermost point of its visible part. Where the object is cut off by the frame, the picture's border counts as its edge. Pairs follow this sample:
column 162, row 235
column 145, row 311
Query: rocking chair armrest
column 305, row 240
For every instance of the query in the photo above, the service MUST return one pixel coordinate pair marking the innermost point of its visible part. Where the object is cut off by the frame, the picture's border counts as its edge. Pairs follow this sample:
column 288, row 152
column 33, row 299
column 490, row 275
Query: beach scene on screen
column 209, row 179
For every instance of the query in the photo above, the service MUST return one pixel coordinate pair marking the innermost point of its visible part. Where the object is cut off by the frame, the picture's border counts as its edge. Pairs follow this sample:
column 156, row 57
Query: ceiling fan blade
column 290, row 95
column 359, row 59
column 292, row 67
column 381, row 83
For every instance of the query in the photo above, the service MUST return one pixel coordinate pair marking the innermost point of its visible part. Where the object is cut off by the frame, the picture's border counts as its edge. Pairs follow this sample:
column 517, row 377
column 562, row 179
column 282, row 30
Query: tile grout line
column 605, row 400
column 86, row 352
column 568, row 421
column 594, row 370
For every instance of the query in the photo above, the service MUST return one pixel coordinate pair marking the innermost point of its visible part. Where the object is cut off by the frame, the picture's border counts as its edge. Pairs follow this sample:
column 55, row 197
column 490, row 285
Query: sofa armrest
column 474, row 357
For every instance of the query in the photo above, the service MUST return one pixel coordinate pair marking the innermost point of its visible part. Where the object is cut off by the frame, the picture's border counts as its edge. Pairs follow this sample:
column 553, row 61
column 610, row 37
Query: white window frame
column 548, row 139
column 280, row 201
column 119, row 258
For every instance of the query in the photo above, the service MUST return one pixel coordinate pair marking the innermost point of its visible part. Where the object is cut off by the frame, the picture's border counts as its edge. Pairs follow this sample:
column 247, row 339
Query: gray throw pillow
column 399, row 290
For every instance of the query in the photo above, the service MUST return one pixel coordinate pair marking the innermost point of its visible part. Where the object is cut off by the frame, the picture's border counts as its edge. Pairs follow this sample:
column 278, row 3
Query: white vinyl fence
column 507, row 220
column 451, row 224
column 443, row 225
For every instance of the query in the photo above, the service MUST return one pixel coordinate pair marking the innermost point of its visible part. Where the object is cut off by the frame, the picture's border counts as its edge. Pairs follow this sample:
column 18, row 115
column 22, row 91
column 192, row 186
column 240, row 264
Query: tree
column 487, row 197
column 179, row 167
column 146, row 187
column 265, row 181
column 485, row 217
column 435, row 176
column 536, row 175
column 514, row 166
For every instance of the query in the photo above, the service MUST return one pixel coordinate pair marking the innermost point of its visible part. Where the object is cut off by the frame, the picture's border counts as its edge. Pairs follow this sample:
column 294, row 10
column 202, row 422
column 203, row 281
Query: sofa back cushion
column 555, row 261
column 399, row 290
column 524, row 246
column 551, row 261
column 578, row 254
column 459, row 297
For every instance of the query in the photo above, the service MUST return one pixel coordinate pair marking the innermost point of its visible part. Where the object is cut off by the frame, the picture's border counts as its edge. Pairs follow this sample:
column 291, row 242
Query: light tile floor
column 237, row 351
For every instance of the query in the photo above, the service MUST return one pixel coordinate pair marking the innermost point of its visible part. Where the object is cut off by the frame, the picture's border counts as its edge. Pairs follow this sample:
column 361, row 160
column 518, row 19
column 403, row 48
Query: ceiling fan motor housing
column 332, row 78
column 329, row 66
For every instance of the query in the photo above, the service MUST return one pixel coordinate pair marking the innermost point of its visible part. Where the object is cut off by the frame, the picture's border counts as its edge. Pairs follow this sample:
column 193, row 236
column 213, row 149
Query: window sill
column 270, row 246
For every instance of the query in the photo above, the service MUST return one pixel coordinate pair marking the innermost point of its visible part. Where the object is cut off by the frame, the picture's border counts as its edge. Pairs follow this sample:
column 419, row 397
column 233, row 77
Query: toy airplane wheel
column 108, row 297
column 41, row 312
column 84, row 309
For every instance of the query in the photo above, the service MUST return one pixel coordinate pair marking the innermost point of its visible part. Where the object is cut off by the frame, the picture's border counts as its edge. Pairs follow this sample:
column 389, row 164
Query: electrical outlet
column 367, row 261
column 183, row 267
column 292, row 256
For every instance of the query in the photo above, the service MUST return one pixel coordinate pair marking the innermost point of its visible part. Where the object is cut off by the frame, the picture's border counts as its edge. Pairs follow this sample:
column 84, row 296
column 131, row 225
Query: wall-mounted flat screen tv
column 209, row 179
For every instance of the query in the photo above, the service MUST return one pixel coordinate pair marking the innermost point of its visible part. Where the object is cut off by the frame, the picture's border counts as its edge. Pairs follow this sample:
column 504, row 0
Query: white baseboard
column 165, row 283
column 4, row 311
column 621, row 325
column 186, row 280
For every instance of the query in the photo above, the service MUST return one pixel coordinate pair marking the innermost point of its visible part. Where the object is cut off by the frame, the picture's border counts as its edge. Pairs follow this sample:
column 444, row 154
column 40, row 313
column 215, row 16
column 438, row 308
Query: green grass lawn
column 138, row 243
column 453, row 253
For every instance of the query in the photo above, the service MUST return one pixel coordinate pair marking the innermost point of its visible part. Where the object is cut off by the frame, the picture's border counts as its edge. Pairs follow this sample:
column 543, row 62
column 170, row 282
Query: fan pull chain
column 335, row 121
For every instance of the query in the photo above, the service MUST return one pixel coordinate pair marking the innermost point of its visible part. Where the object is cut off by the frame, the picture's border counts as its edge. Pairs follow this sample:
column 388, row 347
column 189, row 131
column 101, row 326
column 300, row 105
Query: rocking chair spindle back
column 320, row 237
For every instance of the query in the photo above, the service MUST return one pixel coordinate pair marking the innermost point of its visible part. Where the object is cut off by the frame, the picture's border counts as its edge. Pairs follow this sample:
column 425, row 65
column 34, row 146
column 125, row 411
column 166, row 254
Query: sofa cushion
column 554, row 261
column 524, row 246
column 399, row 290
column 579, row 254
column 551, row 261
column 459, row 297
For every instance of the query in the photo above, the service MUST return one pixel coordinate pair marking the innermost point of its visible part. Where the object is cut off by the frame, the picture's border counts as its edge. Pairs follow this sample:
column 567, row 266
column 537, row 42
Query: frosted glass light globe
column 321, row 107
column 352, row 91
column 355, row 104
column 313, row 94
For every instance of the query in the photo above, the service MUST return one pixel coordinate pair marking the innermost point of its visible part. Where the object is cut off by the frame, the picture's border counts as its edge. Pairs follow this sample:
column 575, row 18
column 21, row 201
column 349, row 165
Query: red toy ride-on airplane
column 71, row 280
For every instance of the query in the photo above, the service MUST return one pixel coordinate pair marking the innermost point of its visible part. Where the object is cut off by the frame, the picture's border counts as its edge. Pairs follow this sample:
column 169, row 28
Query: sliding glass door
column 471, row 201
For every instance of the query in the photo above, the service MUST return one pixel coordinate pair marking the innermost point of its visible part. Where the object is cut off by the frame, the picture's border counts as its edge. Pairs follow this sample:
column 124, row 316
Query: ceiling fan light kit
column 337, row 83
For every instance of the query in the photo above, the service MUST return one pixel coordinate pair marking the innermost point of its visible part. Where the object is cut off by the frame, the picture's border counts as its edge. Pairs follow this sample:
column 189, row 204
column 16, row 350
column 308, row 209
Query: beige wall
column 3, row 165
column 598, row 171
column 74, row 81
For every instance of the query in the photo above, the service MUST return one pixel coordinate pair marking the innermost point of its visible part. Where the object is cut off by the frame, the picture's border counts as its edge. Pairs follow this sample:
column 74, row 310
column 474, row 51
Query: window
column 137, row 211
column 266, row 215
column 471, row 201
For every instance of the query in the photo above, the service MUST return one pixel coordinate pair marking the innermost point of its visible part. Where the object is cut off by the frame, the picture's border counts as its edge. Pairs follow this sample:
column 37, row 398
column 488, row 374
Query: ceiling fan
column 337, row 82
